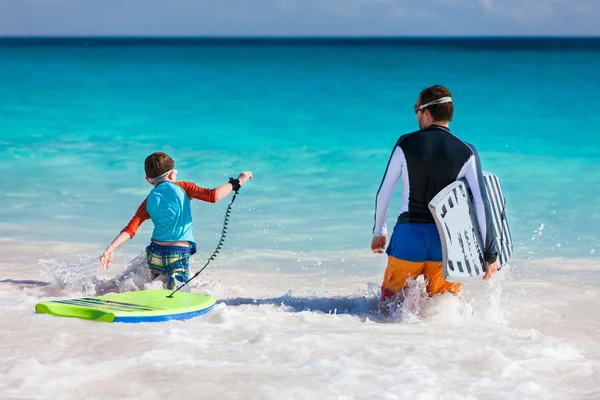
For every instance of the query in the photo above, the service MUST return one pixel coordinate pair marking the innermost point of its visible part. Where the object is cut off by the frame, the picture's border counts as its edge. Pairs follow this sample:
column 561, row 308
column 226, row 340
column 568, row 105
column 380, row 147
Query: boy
column 168, row 205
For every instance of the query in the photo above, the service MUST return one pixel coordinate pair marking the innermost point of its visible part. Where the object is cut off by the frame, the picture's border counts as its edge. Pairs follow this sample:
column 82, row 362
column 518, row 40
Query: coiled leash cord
column 236, row 187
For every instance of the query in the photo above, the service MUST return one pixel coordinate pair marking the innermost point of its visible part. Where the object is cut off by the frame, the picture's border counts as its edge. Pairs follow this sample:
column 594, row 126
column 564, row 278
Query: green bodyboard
column 139, row 306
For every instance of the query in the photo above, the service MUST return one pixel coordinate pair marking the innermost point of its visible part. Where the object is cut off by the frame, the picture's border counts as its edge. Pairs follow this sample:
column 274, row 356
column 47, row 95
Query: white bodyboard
column 456, row 220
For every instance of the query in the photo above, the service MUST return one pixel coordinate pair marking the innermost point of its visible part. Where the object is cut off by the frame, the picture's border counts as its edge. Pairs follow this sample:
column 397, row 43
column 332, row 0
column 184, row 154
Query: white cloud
column 526, row 11
column 487, row 5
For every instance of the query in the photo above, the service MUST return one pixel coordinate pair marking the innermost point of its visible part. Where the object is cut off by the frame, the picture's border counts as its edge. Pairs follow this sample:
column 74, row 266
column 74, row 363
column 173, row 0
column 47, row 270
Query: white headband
column 162, row 177
column 441, row 100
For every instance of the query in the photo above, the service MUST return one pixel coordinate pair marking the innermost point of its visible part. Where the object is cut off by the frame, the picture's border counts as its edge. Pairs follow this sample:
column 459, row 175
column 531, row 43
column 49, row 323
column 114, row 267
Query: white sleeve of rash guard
column 472, row 177
column 392, row 175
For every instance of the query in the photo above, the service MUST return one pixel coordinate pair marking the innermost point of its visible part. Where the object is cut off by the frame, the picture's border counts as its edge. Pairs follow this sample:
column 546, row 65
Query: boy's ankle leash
column 235, row 183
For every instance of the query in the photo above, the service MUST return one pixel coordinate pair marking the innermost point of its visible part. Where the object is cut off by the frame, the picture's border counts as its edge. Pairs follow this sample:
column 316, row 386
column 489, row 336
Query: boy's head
column 158, row 165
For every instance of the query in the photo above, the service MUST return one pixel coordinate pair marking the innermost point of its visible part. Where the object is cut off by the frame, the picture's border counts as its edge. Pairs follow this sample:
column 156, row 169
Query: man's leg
column 396, row 275
column 406, row 259
column 436, row 283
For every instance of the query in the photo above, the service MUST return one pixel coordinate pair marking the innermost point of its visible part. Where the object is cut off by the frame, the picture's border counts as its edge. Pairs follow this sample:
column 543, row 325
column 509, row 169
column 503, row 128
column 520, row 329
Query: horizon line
column 296, row 37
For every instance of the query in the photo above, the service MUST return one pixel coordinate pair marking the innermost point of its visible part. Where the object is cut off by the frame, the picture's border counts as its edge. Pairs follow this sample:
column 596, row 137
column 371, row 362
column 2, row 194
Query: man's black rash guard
column 428, row 160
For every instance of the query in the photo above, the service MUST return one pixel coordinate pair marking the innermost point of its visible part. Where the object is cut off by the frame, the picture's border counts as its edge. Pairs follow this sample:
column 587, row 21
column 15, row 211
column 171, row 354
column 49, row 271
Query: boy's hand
column 244, row 176
column 106, row 259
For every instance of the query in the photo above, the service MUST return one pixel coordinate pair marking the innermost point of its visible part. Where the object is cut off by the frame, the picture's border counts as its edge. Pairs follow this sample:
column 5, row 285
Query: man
column 427, row 161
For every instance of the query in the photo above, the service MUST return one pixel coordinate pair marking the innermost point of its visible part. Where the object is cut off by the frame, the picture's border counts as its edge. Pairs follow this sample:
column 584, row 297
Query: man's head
column 159, row 167
column 434, row 106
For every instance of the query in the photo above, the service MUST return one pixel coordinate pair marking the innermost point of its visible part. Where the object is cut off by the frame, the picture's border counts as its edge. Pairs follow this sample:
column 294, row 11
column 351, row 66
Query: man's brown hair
column 157, row 164
column 439, row 112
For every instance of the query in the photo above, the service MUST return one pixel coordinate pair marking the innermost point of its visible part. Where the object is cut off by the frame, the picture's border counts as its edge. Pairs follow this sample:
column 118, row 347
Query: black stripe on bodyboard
column 448, row 231
column 506, row 239
column 109, row 304
column 499, row 211
column 118, row 303
column 468, row 266
column 493, row 199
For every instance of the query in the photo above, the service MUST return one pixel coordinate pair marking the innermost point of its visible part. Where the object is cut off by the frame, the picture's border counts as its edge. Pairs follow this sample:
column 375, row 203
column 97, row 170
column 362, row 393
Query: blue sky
column 300, row 17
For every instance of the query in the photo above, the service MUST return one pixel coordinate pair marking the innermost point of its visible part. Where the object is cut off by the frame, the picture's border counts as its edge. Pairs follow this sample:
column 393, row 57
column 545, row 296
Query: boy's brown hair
column 157, row 164
column 439, row 112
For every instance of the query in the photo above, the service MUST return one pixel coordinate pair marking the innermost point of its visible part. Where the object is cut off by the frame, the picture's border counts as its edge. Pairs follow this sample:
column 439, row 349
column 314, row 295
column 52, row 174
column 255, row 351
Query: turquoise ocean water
column 315, row 121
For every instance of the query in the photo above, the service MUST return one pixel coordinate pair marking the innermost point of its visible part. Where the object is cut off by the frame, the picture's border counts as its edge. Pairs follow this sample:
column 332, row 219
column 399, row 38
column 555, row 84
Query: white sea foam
column 306, row 334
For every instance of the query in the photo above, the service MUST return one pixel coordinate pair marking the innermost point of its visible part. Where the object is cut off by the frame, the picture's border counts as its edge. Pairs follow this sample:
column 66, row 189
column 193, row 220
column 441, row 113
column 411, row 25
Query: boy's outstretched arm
column 127, row 233
column 107, row 256
column 212, row 195
column 224, row 190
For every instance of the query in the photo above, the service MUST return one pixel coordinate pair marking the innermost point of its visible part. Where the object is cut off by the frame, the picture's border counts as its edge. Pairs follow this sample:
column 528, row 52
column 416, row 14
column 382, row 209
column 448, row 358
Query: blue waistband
column 191, row 250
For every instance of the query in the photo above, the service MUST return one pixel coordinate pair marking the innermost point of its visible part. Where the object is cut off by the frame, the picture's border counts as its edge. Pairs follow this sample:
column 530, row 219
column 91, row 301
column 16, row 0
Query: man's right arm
column 392, row 175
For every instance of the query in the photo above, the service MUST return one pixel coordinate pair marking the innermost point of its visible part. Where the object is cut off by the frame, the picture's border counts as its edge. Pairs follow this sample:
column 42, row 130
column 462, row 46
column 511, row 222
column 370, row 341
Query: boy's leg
column 154, row 260
column 170, row 261
column 179, row 274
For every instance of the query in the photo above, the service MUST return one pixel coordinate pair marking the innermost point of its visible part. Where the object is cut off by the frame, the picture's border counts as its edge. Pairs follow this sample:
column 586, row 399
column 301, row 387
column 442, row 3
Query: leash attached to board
column 236, row 188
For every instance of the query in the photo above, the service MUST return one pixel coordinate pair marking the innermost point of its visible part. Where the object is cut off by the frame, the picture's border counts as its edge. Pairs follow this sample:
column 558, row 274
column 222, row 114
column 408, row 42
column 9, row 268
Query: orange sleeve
column 195, row 192
column 140, row 216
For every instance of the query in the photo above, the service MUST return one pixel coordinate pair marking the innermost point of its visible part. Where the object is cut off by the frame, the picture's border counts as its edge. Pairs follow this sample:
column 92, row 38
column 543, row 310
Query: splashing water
column 413, row 305
column 83, row 276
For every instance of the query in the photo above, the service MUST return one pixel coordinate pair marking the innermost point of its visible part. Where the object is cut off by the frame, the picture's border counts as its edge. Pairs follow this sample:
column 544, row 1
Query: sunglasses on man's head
column 438, row 101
